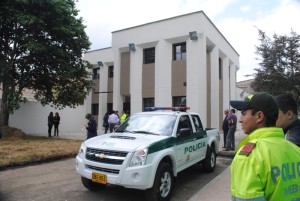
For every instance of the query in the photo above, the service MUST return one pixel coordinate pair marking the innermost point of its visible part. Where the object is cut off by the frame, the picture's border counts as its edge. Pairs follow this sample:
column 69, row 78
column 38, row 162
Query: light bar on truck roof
column 167, row 108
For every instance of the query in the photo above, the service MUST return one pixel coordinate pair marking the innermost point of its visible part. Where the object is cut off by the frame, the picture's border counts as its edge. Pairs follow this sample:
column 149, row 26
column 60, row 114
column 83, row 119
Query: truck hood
column 128, row 142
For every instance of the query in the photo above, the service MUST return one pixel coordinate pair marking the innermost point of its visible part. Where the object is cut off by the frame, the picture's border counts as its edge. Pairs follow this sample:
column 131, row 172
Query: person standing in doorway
column 225, row 127
column 113, row 120
column 105, row 122
column 230, row 140
column 123, row 117
column 56, row 120
column 50, row 123
column 91, row 126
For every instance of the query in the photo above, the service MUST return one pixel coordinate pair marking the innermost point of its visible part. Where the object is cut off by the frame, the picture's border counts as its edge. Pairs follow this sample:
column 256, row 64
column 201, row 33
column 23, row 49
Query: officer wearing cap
column 266, row 166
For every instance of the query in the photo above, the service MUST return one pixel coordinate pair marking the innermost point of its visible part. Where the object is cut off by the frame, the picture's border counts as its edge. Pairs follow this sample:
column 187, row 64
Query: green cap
column 260, row 101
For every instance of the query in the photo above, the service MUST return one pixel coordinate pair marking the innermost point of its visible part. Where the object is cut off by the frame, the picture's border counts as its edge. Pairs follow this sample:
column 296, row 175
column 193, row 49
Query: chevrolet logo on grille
column 101, row 156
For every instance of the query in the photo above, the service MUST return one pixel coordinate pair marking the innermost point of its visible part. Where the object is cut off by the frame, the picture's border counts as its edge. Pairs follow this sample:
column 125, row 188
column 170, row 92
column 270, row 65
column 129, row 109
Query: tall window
column 220, row 68
column 95, row 109
column 110, row 71
column 96, row 73
column 179, row 51
column 149, row 55
column 109, row 107
column 148, row 102
column 179, row 101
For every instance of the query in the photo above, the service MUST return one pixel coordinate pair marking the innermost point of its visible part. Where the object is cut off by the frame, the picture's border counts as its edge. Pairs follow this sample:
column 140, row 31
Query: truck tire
column 163, row 184
column 209, row 162
column 92, row 186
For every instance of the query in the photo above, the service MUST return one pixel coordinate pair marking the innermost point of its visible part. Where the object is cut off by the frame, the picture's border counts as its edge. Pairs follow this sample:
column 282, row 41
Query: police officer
column 266, row 166
column 287, row 118
column 123, row 117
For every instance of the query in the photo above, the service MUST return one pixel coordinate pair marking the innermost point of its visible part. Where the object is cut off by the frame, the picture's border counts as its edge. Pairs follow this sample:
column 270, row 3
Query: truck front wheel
column 209, row 162
column 163, row 184
column 92, row 186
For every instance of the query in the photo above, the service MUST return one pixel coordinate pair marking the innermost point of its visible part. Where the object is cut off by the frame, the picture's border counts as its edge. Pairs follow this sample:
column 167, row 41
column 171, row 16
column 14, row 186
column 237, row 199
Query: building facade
column 184, row 60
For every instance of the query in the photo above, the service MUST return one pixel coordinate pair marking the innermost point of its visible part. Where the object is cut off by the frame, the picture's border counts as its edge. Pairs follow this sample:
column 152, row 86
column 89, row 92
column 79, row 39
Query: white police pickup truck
column 148, row 151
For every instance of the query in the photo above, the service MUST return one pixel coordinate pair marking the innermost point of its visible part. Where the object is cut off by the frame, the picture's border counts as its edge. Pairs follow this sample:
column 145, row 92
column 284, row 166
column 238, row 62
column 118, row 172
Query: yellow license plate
column 99, row 178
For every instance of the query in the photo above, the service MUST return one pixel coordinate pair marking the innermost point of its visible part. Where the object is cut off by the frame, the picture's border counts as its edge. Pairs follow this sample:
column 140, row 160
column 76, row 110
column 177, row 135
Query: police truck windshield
column 159, row 124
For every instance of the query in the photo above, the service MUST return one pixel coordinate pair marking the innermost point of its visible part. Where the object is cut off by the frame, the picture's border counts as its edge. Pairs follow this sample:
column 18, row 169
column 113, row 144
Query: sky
column 237, row 20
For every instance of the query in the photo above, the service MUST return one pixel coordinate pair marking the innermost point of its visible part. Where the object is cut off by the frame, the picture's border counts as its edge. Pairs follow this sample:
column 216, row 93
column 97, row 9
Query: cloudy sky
column 237, row 20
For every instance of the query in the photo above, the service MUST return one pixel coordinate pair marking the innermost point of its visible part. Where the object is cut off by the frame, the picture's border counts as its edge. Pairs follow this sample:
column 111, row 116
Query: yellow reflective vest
column 266, row 167
column 123, row 118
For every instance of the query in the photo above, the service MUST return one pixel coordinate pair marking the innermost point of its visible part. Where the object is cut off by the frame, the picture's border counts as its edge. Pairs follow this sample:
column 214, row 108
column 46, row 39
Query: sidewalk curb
column 216, row 189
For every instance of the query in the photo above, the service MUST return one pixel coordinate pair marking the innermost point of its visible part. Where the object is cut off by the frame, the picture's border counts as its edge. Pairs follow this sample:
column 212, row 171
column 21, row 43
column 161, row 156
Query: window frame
column 149, row 55
column 179, row 54
column 110, row 71
column 95, row 109
column 179, row 101
column 148, row 102
column 96, row 73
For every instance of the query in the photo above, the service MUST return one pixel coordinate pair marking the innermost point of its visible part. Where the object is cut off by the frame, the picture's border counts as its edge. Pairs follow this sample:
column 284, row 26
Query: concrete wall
column 32, row 118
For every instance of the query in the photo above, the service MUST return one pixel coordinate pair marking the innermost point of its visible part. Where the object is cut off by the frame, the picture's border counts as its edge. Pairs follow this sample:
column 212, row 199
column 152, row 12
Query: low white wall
column 32, row 118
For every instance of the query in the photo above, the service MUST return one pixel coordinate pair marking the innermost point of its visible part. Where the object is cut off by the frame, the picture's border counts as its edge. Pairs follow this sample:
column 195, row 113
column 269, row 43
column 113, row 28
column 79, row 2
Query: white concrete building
column 171, row 60
column 164, row 62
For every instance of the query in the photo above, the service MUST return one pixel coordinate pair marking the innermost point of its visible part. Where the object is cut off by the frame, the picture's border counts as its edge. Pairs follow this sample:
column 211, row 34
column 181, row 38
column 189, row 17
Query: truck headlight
column 139, row 158
column 81, row 150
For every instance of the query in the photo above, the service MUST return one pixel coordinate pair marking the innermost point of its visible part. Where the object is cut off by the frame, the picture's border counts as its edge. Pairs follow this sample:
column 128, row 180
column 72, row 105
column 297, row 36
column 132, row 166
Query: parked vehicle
column 147, row 152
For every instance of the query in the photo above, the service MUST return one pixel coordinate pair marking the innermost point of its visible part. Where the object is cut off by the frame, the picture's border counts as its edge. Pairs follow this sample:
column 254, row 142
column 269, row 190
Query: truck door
column 187, row 143
column 201, row 136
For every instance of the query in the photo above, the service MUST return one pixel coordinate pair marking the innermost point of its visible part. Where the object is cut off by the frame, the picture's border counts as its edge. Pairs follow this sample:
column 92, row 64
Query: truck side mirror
column 184, row 132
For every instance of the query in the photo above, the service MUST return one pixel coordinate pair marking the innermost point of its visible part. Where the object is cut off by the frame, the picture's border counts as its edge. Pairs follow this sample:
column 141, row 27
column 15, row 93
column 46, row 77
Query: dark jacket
column 232, row 121
column 50, row 120
column 105, row 121
column 56, row 120
column 225, row 124
column 91, row 129
column 292, row 132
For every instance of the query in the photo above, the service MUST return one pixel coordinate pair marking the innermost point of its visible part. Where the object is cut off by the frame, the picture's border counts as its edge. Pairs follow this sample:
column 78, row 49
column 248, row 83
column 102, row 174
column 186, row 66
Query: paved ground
column 217, row 189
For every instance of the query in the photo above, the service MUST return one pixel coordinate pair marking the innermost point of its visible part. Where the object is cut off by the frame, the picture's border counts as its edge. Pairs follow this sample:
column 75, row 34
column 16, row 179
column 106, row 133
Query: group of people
column 53, row 120
column 229, row 129
column 266, row 166
column 112, row 120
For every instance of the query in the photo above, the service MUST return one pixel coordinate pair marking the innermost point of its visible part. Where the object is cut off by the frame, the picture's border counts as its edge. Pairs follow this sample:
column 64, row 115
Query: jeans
column 225, row 132
column 112, row 127
column 49, row 129
column 230, row 140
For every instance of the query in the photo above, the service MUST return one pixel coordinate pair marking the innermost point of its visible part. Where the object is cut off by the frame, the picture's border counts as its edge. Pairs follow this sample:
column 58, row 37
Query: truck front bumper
column 139, row 177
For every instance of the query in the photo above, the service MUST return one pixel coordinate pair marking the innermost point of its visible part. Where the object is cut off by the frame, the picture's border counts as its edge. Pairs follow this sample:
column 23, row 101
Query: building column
column 117, row 98
column 232, row 73
column 215, row 91
column 196, row 89
column 163, row 74
column 102, row 96
column 136, row 67
column 226, row 84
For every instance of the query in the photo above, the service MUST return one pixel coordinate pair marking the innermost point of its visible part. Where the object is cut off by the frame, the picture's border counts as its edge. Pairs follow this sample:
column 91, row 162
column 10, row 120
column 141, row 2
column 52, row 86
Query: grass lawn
column 19, row 149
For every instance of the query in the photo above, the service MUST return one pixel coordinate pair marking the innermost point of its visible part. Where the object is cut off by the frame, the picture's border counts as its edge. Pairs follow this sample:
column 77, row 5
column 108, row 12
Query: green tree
column 42, row 42
column 279, row 70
